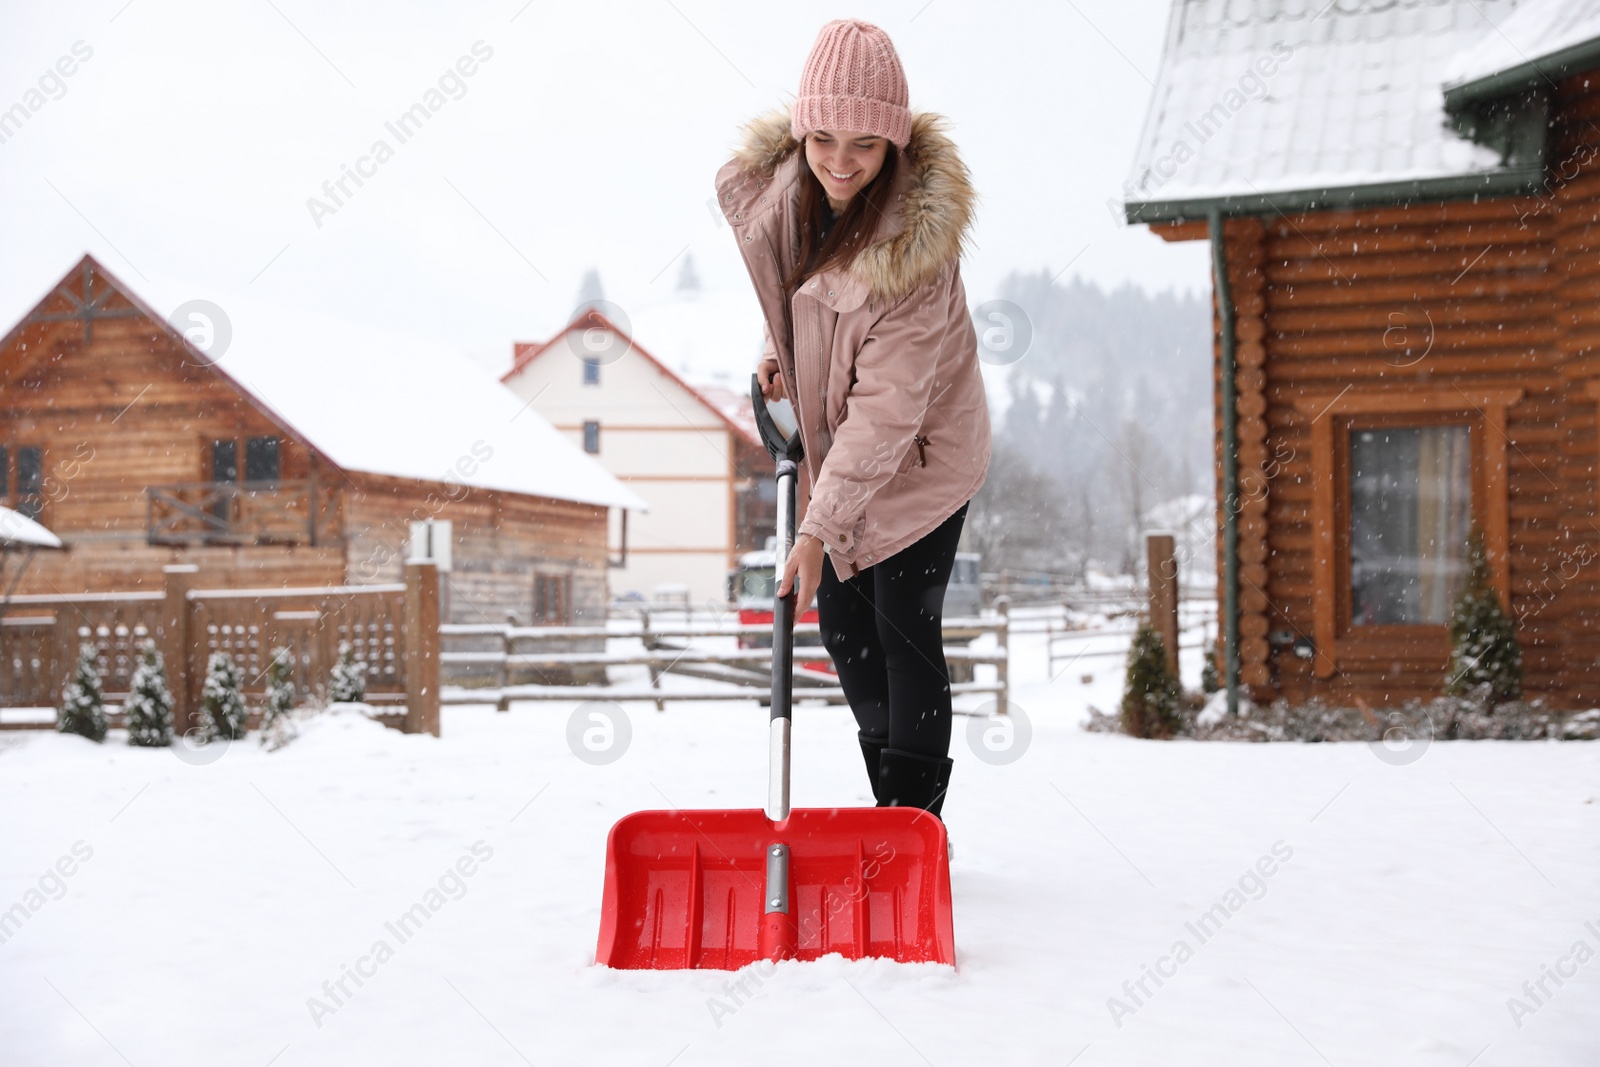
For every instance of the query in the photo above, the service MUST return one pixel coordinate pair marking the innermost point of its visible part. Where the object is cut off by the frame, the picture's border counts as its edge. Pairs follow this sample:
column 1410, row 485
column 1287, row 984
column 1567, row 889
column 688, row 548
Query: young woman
column 851, row 211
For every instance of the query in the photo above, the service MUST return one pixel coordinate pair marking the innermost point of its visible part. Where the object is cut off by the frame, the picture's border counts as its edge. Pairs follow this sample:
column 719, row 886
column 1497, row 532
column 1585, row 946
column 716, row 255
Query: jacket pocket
column 916, row 455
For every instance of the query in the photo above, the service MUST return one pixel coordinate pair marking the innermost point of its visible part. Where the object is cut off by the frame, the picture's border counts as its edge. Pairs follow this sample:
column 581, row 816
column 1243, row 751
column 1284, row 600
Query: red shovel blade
column 687, row 889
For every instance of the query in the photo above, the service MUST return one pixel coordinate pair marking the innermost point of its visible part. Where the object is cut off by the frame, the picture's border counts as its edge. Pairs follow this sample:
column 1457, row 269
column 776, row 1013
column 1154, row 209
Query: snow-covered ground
column 1363, row 910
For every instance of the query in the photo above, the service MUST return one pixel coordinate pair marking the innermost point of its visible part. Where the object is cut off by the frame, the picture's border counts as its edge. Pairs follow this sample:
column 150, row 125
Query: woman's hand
column 805, row 561
column 771, row 381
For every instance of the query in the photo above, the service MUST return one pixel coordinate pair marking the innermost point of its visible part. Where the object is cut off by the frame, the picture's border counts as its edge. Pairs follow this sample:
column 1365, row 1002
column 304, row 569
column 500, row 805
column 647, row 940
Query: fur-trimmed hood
column 936, row 205
column 880, row 356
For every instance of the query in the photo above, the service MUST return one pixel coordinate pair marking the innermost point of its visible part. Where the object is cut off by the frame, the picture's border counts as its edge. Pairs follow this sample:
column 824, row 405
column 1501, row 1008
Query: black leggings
column 885, row 630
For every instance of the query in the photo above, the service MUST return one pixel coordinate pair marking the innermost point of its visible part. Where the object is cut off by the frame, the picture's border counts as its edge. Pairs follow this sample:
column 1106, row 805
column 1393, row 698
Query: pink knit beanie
column 853, row 81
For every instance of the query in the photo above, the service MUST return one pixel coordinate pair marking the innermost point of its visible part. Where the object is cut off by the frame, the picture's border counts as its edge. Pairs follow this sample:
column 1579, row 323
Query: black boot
column 911, row 780
column 871, row 750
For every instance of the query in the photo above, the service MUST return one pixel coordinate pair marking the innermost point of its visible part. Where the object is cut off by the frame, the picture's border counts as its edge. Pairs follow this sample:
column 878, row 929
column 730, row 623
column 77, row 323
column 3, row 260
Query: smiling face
column 845, row 162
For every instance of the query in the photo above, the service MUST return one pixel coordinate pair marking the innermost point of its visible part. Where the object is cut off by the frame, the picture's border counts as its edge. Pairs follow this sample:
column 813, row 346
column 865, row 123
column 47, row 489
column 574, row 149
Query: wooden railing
column 293, row 512
column 491, row 673
column 393, row 628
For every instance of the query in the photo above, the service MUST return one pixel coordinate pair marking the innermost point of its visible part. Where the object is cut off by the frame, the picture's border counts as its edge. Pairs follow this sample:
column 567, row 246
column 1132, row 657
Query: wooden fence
column 491, row 670
column 393, row 628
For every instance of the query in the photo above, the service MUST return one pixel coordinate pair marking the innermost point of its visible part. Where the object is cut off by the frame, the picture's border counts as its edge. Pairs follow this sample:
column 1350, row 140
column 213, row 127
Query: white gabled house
column 684, row 448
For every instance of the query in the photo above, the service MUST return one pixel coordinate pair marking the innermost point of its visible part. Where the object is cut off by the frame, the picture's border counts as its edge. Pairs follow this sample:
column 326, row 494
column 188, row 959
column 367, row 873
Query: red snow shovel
column 723, row 889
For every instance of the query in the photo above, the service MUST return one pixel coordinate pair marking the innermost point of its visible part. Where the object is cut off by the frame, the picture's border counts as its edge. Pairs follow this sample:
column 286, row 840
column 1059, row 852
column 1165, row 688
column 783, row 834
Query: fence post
column 649, row 643
column 1002, row 604
column 508, row 644
column 177, row 652
column 1162, row 565
column 422, row 647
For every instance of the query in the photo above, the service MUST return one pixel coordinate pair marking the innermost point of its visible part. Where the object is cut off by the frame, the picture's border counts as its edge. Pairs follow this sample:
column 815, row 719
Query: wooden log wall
column 1443, row 299
column 1565, row 588
column 501, row 541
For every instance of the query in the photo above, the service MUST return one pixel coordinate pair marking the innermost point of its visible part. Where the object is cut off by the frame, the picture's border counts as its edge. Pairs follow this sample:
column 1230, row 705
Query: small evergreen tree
column 277, row 728
column 1152, row 694
column 1483, row 639
column 1210, row 677
column 222, row 710
column 83, row 701
column 347, row 684
column 148, row 712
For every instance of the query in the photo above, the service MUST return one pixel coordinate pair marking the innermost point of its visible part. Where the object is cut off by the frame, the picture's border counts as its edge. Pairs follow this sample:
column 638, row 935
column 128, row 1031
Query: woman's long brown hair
column 853, row 230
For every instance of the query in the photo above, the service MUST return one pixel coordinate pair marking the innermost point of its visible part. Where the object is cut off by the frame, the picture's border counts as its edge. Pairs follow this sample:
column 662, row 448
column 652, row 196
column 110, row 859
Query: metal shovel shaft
column 782, row 650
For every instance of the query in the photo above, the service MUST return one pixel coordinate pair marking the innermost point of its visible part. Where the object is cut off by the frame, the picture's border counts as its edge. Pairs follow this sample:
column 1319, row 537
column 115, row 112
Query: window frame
column 1483, row 411
column 275, row 451
column 240, row 463
column 30, row 505
column 1343, row 578
column 595, row 424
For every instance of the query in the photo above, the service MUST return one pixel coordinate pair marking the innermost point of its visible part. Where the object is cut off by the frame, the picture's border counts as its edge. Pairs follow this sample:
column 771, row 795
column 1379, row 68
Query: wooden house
column 1401, row 202
column 281, row 451
column 691, row 451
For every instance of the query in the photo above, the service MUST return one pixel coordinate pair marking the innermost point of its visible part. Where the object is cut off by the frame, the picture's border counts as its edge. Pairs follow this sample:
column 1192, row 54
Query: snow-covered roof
column 1531, row 40
column 525, row 352
column 17, row 530
column 393, row 404
column 1256, row 97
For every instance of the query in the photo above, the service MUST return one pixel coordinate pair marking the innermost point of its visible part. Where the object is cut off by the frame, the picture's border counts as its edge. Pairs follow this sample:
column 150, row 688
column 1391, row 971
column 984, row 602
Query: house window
column 1388, row 512
column 552, row 599
column 261, row 459
column 591, row 436
column 591, row 371
column 224, row 469
column 224, row 461
column 1410, row 515
column 28, row 499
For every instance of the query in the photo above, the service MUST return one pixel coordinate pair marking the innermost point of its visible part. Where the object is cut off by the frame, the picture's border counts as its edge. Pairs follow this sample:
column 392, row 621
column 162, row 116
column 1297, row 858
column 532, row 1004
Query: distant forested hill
column 1108, row 415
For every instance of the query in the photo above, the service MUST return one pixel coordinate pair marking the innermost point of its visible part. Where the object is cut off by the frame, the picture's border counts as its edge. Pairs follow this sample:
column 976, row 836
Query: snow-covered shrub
column 277, row 723
column 1483, row 639
column 83, row 702
column 148, row 712
column 347, row 683
column 222, row 709
column 1152, row 694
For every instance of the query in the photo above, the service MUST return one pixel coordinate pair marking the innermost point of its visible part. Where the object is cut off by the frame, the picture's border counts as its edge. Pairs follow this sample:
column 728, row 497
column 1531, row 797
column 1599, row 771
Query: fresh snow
column 1406, row 902
column 1271, row 99
column 1536, row 31
column 17, row 531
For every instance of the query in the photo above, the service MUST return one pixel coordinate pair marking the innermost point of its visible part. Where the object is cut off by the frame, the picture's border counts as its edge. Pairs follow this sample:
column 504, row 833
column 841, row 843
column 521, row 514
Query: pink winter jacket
column 883, row 364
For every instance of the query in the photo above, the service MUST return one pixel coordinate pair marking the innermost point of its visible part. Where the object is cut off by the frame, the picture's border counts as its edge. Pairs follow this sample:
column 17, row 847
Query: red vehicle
column 750, row 586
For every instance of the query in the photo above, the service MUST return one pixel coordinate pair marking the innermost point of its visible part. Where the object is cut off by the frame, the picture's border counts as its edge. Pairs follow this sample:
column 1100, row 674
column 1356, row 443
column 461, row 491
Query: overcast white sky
column 182, row 152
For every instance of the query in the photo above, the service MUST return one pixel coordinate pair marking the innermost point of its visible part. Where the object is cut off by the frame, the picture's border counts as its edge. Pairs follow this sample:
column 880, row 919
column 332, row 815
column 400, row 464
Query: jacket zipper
column 922, row 457
column 822, row 391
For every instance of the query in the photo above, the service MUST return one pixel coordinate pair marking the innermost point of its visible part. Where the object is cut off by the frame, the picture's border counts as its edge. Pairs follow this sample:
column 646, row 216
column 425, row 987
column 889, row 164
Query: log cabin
column 1401, row 203
column 271, row 451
